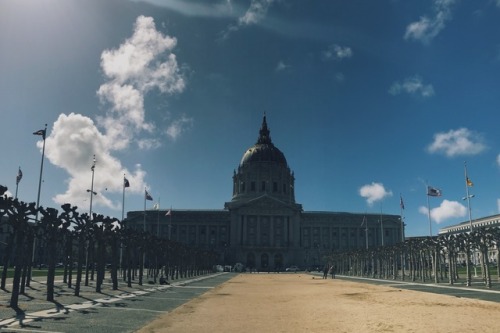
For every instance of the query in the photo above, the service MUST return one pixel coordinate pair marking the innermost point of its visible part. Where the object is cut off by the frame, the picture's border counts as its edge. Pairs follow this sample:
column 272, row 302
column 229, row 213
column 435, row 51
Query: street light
column 92, row 193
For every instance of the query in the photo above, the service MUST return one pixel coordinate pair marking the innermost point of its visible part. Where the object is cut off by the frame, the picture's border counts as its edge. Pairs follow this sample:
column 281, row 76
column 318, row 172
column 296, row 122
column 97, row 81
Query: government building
column 262, row 226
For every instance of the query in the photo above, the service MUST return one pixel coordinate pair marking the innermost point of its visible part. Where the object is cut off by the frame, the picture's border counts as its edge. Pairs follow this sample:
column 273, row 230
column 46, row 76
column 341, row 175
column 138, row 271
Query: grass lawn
column 35, row 272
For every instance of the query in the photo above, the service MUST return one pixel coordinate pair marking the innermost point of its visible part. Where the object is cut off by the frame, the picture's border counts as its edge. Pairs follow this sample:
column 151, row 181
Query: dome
column 264, row 150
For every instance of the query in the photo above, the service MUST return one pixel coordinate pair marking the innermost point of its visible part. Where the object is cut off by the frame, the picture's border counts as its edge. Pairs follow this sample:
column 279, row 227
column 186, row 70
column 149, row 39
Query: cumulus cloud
column 374, row 192
column 428, row 27
column 254, row 14
column 413, row 86
column 457, row 142
column 141, row 63
column 337, row 52
column 133, row 69
column 447, row 210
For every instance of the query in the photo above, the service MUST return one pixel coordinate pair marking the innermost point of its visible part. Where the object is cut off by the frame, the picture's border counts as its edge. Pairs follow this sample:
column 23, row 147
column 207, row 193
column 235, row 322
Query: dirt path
column 302, row 303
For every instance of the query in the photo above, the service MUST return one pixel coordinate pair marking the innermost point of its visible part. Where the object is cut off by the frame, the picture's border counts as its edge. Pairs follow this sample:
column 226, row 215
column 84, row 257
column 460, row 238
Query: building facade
column 262, row 226
column 492, row 221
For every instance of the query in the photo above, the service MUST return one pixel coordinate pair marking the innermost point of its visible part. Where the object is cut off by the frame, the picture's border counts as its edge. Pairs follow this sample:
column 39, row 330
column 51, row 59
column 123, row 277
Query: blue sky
column 368, row 100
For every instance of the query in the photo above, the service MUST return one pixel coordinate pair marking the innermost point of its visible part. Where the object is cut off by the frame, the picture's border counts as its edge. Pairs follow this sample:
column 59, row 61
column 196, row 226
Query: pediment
column 264, row 204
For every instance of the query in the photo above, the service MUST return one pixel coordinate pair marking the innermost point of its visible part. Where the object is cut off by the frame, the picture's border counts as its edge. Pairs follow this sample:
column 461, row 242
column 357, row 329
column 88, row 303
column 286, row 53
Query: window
column 252, row 186
column 263, row 186
column 275, row 187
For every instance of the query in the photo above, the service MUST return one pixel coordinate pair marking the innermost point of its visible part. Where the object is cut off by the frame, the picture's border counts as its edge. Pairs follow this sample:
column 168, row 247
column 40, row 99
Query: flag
column 148, row 196
column 40, row 132
column 19, row 176
column 401, row 203
column 156, row 206
column 126, row 182
column 433, row 192
column 169, row 213
column 468, row 182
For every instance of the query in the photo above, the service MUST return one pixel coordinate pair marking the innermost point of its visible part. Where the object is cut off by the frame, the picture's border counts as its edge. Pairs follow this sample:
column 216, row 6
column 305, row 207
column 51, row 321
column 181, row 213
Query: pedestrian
column 332, row 271
column 325, row 272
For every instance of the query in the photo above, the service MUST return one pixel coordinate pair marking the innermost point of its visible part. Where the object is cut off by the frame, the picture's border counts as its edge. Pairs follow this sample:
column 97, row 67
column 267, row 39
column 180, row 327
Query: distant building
column 262, row 226
column 492, row 221
column 483, row 222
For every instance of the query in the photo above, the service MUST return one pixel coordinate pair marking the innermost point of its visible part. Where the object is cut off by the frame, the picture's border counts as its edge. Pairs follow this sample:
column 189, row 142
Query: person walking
column 332, row 271
column 325, row 272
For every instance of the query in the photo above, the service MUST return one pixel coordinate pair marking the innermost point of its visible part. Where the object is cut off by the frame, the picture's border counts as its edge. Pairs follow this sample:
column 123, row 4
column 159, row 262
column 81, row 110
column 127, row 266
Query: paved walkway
column 478, row 290
column 123, row 310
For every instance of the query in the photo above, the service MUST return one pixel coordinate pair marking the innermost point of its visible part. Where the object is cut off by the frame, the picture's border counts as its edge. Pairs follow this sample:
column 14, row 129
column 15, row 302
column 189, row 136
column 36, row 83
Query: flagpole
column 18, row 179
column 170, row 226
column 403, row 261
column 428, row 209
column 158, row 224
column 468, row 196
column 92, row 193
column 144, row 221
column 402, row 207
column 381, row 226
column 123, row 199
column 366, row 231
column 122, row 224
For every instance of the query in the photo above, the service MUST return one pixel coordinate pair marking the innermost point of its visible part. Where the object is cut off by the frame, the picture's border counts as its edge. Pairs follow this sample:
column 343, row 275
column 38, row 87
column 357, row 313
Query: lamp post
column 43, row 133
column 467, row 197
column 92, row 193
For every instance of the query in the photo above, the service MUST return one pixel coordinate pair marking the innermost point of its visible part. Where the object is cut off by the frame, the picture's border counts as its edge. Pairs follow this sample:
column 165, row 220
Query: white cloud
column 447, row 210
column 374, row 192
column 413, row 86
column 337, row 52
column 254, row 14
column 457, row 142
column 134, row 69
column 195, row 9
column 71, row 145
column 141, row 63
column 427, row 27
column 179, row 126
